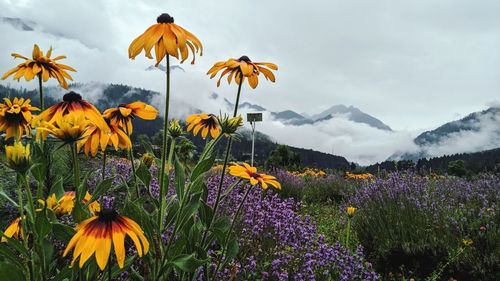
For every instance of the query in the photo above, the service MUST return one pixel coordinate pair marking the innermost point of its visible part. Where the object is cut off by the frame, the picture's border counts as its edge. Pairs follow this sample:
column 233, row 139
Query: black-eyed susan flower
column 42, row 66
column 16, row 117
column 207, row 123
column 125, row 113
column 72, row 102
column 65, row 204
column 95, row 235
column 167, row 38
column 96, row 139
column 70, row 128
column 118, row 138
column 243, row 68
column 249, row 173
column 14, row 230
column 18, row 156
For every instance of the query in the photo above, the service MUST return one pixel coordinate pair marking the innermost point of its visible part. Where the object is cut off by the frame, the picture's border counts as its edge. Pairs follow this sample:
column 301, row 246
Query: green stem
column 348, row 232
column 131, row 157
column 228, row 237
column 223, row 172
column 42, row 103
column 164, row 148
column 24, row 224
column 109, row 268
column 104, row 164
column 76, row 168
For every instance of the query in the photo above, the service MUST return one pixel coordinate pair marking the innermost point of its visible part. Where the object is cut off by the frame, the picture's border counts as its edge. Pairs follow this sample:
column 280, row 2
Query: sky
column 412, row 64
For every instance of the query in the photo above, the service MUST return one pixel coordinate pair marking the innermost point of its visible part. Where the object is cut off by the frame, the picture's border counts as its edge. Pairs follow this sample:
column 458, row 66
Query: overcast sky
column 413, row 64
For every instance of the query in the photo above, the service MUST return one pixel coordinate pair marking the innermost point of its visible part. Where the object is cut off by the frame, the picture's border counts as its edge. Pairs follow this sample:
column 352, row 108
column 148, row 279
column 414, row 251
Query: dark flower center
column 254, row 175
column 107, row 215
column 245, row 59
column 72, row 97
column 164, row 18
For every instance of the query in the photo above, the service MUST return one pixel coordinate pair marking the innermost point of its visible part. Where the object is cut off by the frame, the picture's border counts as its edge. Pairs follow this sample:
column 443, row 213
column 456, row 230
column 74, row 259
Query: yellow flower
column 95, row 235
column 167, row 38
column 250, row 173
column 14, row 230
column 66, row 203
column 16, row 117
column 467, row 242
column 204, row 122
column 351, row 210
column 96, row 139
column 243, row 68
column 72, row 102
column 365, row 176
column 69, row 129
column 18, row 156
column 123, row 115
column 41, row 66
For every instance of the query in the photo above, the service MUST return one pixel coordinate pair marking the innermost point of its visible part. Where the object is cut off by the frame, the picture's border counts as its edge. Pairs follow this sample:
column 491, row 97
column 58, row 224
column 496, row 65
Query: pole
column 253, row 141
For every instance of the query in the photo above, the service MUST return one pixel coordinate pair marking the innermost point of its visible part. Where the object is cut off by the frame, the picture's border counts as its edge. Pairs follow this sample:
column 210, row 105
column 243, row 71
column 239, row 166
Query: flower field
column 83, row 199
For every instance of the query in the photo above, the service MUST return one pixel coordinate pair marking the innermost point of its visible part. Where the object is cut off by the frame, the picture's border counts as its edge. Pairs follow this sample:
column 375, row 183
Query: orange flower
column 72, row 102
column 43, row 66
column 167, row 38
column 204, row 122
column 250, row 173
column 16, row 117
column 96, row 234
column 97, row 139
column 14, row 230
column 243, row 68
column 123, row 115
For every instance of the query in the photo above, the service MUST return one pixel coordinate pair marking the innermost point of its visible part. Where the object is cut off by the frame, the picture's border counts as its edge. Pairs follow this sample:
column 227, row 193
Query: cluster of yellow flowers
column 78, row 123
column 311, row 172
column 364, row 176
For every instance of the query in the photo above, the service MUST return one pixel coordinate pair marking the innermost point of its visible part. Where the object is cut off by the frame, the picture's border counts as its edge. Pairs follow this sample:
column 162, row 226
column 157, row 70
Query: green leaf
column 38, row 172
column 220, row 228
column 42, row 225
column 206, row 213
column 9, row 272
column 57, row 188
column 63, row 232
column 202, row 166
column 16, row 244
column 232, row 250
column 64, row 274
column 144, row 174
column 100, row 189
column 8, row 254
column 6, row 196
column 180, row 179
column 187, row 263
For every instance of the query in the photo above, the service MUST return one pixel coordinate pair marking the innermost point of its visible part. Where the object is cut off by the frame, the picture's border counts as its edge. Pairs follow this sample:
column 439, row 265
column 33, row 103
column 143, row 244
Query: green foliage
column 457, row 168
column 282, row 157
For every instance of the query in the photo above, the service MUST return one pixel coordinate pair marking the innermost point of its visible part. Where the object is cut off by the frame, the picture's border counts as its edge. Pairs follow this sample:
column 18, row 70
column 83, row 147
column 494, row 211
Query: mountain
column 478, row 131
column 471, row 123
column 352, row 113
column 110, row 95
column 19, row 23
column 291, row 118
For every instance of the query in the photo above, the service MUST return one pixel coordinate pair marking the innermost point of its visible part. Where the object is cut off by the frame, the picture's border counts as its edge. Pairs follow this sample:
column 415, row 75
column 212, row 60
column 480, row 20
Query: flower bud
column 147, row 159
column 230, row 125
column 175, row 129
column 350, row 211
column 18, row 157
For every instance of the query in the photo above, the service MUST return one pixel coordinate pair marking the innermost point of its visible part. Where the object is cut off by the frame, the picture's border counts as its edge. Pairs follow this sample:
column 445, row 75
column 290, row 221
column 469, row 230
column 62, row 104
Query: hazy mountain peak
column 353, row 114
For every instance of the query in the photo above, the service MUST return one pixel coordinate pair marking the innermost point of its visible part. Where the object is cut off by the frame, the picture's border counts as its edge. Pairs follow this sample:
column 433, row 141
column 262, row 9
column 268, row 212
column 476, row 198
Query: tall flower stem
column 228, row 237
column 104, row 164
column 76, row 168
column 24, row 224
column 40, row 89
column 348, row 232
column 131, row 157
column 164, row 148
column 223, row 172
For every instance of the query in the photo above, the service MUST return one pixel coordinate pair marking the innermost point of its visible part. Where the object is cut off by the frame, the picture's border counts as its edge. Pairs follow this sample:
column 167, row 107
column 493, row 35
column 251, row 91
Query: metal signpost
column 253, row 118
